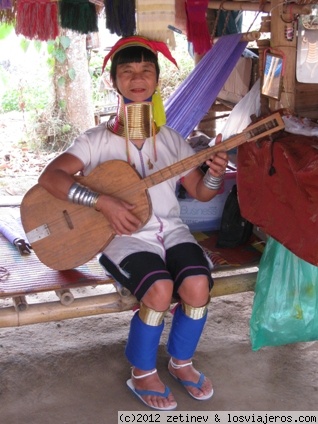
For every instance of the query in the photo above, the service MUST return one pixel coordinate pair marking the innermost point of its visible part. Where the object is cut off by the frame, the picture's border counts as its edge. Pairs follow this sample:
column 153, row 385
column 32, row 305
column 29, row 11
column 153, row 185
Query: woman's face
column 137, row 81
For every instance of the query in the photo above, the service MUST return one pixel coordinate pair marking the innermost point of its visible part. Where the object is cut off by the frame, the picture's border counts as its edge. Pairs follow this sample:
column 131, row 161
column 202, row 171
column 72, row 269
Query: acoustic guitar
column 65, row 236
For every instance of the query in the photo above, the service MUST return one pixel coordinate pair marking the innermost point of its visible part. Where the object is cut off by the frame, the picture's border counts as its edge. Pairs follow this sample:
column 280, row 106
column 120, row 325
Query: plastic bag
column 285, row 308
column 240, row 116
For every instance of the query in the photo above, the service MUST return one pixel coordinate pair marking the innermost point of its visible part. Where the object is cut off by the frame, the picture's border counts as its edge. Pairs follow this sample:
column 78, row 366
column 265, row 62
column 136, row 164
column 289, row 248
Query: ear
column 113, row 82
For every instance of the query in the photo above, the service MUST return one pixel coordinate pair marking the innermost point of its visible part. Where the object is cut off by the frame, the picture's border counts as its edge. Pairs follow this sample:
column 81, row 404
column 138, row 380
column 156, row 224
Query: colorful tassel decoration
column 5, row 4
column 37, row 19
column 197, row 27
column 120, row 17
column 159, row 114
column 79, row 15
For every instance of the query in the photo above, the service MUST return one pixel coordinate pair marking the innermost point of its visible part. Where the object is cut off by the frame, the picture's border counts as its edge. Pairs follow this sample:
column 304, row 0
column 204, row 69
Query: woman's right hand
column 119, row 214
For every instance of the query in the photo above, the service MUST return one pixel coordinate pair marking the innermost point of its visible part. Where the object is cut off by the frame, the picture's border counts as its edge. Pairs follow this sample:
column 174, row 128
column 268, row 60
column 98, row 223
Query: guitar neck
column 261, row 129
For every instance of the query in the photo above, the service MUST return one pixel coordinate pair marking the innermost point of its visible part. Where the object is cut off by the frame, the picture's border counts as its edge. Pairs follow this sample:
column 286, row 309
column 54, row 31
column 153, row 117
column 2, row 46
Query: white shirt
column 165, row 227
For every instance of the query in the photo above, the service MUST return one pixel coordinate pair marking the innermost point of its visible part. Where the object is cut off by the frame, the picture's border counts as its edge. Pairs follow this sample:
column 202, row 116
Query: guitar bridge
column 38, row 233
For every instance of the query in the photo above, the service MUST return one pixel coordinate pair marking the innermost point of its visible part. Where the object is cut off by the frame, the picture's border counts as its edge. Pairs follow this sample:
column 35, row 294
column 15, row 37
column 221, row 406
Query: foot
column 196, row 384
column 150, row 381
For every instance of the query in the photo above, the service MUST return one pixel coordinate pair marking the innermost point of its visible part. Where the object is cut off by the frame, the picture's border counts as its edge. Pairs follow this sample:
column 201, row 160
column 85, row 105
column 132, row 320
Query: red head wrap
column 135, row 40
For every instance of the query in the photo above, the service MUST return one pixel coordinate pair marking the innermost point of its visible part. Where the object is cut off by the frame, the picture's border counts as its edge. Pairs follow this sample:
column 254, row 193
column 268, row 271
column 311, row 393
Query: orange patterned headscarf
column 135, row 40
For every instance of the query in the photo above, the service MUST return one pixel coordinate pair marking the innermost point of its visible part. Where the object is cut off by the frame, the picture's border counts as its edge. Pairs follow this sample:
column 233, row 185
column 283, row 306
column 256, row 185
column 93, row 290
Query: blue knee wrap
column 184, row 335
column 142, row 344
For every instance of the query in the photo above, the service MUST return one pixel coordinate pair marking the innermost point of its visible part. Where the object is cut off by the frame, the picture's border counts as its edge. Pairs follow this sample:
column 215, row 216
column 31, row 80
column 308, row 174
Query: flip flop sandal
column 140, row 393
column 187, row 383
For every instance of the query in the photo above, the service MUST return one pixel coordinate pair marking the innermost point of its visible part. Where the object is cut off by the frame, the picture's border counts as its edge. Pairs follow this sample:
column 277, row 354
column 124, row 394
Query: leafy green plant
column 24, row 98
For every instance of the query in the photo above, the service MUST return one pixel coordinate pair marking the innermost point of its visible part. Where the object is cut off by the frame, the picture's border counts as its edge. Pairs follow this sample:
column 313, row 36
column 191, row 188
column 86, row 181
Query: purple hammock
column 188, row 104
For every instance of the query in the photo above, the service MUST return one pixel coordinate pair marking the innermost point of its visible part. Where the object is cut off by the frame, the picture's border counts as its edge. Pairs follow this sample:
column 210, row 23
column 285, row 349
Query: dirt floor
column 74, row 371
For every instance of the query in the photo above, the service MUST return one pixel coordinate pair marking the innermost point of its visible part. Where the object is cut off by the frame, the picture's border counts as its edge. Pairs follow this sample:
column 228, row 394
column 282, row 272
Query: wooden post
column 279, row 18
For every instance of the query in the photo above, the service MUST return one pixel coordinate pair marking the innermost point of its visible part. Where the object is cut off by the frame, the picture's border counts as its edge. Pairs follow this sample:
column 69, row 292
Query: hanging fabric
column 153, row 19
column 5, row 4
column 79, row 15
column 180, row 15
column 197, row 26
column 120, row 17
column 193, row 98
column 37, row 19
column 229, row 22
column 278, row 190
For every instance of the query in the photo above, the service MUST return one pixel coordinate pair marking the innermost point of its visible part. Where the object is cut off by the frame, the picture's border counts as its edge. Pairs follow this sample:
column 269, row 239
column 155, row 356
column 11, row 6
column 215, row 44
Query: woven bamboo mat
column 22, row 275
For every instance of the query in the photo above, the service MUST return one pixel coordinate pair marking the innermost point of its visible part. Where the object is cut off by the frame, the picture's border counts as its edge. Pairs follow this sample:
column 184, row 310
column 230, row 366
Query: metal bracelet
column 211, row 182
column 81, row 195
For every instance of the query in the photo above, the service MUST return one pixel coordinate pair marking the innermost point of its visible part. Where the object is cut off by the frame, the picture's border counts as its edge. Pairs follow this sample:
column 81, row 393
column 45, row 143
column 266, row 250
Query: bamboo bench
column 15, row 309
column 32, row 293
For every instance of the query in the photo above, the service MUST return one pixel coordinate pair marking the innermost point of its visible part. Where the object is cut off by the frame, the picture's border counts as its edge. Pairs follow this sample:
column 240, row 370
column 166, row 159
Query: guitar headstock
column 266, row 126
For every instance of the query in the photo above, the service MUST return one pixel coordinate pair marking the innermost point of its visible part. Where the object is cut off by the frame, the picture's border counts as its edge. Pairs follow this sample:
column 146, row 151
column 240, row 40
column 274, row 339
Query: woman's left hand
column 217, row 162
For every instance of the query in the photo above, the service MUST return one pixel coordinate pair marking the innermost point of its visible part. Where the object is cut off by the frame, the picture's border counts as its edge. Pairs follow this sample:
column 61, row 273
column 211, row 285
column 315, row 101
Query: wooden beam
column 239, row 5
column 255, row 7
column 246, row 36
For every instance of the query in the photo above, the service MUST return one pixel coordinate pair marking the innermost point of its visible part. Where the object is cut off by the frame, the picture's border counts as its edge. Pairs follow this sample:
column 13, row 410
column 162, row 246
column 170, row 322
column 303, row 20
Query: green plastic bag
column 285, row 307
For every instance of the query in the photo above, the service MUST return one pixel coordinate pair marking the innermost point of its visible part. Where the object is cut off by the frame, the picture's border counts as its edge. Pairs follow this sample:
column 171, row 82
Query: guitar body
column 64, row 235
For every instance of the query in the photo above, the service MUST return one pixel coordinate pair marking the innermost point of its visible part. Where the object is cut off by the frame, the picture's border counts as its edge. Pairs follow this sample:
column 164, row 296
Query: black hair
column 133, row 54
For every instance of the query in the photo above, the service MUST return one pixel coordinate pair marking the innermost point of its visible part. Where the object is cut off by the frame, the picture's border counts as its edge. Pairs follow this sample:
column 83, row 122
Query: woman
column 161, row 259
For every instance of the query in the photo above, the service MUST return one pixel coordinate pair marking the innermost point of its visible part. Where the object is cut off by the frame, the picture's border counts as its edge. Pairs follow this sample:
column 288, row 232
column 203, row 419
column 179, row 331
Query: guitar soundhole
column 68, row 220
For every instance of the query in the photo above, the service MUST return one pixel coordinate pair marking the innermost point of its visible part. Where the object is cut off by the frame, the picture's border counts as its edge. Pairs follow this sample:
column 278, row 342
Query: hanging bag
column 285, row 307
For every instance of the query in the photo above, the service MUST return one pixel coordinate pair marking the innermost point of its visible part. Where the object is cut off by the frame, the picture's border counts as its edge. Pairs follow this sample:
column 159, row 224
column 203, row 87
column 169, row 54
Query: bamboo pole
column 231, row 282
column 288, row 49
column 246, row 36
column 55, row 311
column 255, row 7
column 238, row 5
column 20, row 303
column 65, row 296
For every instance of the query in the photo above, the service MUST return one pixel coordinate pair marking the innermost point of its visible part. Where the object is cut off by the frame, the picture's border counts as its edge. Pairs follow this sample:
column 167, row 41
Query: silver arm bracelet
column 211, row 182
column 81, row 195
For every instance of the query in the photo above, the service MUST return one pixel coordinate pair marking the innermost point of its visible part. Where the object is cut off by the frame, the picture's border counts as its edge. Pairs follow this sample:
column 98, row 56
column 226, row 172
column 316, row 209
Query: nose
column 137, row 75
